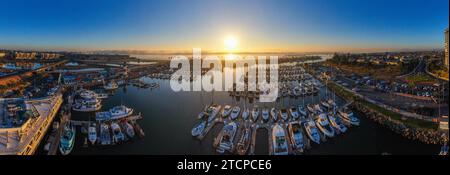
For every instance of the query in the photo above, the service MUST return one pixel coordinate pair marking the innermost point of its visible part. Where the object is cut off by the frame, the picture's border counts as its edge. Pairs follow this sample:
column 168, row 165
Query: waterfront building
column 2, row 54
column 34, row 55
column 49, row 56
column 25, row 55
column 23, row 123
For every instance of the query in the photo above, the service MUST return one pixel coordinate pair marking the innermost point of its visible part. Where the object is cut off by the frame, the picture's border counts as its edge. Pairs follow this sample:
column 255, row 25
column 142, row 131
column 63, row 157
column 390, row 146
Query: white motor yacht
column 227, row 138
column 265, row 115
column 318, row 109
column 325, row 104
column 302, row 111
column 348, row 117
column 296, row 135
column 226, row 111
column 245, row 113
column 198, row 129
column 331, row 102
column 311, row 131
column 92, row 133
column 117, row 133
column 105, row 135
column 337, row 123
column 310, row 108
column 212, row 111
column 244, row 142
column 121, row 111
column 284, row 114
column 280, row 145
column 294, row 113
column 255, row 114
column 235, row 112
column 324, row 126
column 128, row 129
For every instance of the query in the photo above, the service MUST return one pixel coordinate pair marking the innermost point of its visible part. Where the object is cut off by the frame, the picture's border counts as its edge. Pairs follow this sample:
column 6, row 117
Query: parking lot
column 418, row 99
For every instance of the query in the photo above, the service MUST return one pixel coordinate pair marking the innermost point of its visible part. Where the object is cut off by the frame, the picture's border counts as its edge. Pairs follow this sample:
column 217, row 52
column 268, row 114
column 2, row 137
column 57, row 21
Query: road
column 421, row 67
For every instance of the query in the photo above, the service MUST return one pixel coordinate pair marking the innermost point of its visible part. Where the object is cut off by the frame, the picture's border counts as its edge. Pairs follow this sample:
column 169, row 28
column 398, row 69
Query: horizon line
column 206, row 51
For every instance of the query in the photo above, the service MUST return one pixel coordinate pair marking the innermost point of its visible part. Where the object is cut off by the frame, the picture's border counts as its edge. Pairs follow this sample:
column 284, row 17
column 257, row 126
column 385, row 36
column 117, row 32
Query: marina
column 307, row 119
column 225, row 78
column 296, row 128
column 203, row 128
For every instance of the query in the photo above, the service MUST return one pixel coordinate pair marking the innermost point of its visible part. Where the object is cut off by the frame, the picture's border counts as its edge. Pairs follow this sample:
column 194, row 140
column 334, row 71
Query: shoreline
column 424, row 135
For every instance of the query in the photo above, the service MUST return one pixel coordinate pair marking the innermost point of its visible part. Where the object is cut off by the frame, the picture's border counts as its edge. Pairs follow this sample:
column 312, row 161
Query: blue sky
column 259, row 25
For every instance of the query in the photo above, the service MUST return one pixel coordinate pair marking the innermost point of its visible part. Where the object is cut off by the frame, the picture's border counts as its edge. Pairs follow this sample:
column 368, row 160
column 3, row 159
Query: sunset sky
column 254, row 25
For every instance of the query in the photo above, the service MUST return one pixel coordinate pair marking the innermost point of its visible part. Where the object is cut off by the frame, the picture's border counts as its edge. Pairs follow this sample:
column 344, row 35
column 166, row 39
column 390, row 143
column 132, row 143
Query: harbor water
column 169, row 116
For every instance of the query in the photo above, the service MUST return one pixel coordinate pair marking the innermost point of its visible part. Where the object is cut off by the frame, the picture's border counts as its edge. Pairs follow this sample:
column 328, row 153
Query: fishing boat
column 111, row 85
column 235, row 112
column 227, row 137
column 296, row 135
column 337, row 123
column 255, row 113
column 265, row 115
column 226, row 111
column 67, row 140
column 105, row 135
column 311, row 131
column 280, row 145
column 293, row 112
column 92, row 133
column 274, row 114
column 244, row 142
column 324, row 126
column 302, row 111
column 284, row 114
column 117, row 133
column 128, row 128
column 198, row 129
column 245, row 113
column 348, row 117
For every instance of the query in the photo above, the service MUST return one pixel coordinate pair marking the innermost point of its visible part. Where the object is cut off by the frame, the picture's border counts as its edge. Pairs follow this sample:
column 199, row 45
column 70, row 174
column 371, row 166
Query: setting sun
column 231, row 43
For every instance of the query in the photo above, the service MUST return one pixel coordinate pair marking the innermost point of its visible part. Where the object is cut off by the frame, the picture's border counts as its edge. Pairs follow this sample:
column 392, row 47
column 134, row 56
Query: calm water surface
column 168, row 118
